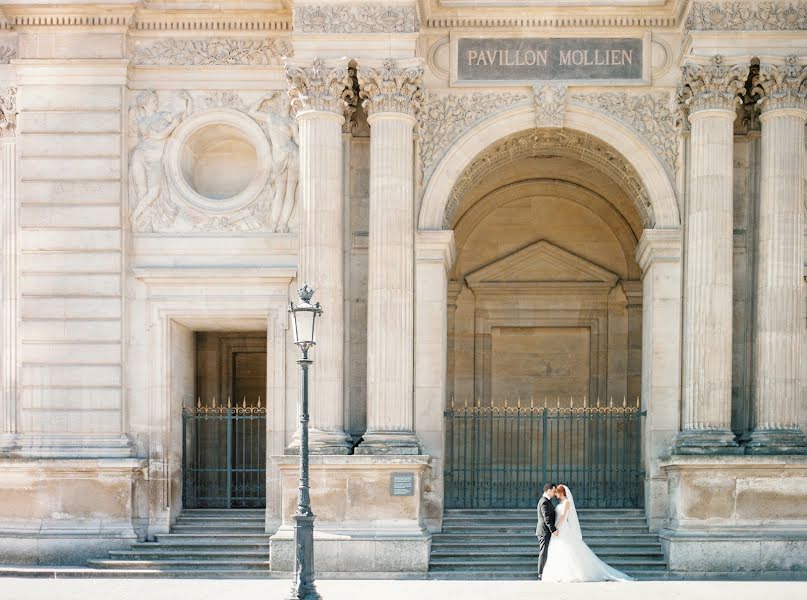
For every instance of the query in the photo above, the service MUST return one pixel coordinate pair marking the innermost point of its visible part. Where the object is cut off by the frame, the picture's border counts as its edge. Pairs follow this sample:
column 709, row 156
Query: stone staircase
column 202, row 543
column 501, row 544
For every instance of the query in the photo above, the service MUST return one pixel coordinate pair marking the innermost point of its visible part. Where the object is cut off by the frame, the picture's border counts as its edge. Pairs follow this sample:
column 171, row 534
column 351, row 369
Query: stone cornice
column 713, row 86
column 8, row 112
column 658, row 245
column 320, row 87
column 355, row 18
column 392, row 86
column 781, row 86
column 748, row 15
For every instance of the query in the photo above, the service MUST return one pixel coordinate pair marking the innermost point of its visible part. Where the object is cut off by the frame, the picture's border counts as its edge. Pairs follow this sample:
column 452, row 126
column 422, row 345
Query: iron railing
column 501, row 456
column 224, row 456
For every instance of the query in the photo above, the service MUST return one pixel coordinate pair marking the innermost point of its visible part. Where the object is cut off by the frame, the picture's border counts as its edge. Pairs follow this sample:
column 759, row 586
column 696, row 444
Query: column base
column 322, row 442
column 706, row 442
column 777, row 441
column 389, row 442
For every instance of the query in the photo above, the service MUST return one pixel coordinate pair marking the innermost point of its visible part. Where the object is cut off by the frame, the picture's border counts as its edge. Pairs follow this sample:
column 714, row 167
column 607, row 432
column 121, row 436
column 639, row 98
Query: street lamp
column 304, row 318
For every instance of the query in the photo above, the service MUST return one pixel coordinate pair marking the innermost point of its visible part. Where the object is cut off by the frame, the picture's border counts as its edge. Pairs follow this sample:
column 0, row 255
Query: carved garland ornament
column 7, row 53
column 8, row 112
column 748, row 16
column 319, row 87
column 781, row 86
column 541, row 142
column 391, row 88
column 445, row 118
column 650, row 115
column 212, row 51
column 714, row 86
column 359, row 18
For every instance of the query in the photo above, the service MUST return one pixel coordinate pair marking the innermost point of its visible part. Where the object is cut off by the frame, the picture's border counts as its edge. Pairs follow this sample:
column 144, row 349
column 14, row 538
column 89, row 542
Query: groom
column 546, row 525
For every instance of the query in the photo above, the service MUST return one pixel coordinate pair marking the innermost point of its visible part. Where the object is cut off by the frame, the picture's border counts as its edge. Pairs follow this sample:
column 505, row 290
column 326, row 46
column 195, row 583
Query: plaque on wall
column 527, row 60
column 402, row 484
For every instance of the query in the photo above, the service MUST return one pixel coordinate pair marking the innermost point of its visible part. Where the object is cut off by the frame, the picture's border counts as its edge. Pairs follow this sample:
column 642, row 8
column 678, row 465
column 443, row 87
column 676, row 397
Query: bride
column 570, row 559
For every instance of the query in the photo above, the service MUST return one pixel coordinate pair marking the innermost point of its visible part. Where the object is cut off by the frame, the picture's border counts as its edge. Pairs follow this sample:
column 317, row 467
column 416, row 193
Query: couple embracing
column 563, row 556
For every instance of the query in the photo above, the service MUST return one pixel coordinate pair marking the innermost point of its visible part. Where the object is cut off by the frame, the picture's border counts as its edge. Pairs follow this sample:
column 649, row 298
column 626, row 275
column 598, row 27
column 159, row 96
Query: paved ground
column 222, row 589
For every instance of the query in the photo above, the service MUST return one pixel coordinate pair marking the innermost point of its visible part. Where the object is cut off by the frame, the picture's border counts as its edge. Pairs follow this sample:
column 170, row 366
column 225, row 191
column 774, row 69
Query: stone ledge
column 742, row 461
column 382, row 461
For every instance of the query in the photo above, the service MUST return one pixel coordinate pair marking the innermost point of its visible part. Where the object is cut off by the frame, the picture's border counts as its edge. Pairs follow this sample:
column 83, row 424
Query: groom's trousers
column 543, row 551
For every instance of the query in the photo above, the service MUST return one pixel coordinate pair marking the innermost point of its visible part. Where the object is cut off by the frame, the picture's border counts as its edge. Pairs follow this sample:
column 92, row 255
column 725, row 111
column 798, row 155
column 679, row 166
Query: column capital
column 658, row 245
column 781, row 87
column 8, row 112
column 715, row 86
column 391, row 86
column 321, row 87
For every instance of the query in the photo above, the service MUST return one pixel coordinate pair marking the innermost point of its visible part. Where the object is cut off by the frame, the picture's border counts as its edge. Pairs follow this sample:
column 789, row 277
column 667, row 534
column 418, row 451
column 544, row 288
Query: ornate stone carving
column 715, row 86
column 550, row 105
column 7, row 53
column 281, row 129
column 319, row 87
column 151, row 206
column 212, row 51
column 748, row 16
column 8, row 112
column 391, row 88
column 358, row 18
column 553, row 142
column 444, row 118
column 781, row 86
column 650, row 115
column 225, row 99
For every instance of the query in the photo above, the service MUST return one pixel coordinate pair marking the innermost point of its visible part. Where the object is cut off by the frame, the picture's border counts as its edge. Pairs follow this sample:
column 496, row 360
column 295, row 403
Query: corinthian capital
column 781, row 86
column 8, row 111
column 391, row 87
column 321, row 87
column 714, row 86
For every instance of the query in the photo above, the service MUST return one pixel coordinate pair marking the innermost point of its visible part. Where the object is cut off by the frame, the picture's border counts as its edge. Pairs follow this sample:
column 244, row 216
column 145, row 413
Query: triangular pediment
column 542, row 261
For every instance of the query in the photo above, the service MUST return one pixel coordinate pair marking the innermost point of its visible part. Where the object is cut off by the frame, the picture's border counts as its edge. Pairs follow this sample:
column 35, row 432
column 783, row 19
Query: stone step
column 175, row 553
column 638, row 574
column 223, row 564
column 524, row 536
column 525, row 563
column 231, row 529
column 202, row 544
column 533, row 552
column 530, row 528
column 438, row 541
column 226, row 537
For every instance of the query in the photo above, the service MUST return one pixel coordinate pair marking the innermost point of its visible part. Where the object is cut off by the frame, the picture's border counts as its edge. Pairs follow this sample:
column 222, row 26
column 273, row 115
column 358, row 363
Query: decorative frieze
column 211, row 51
column 550, row 105
column 8, row 112
column 225, row 99
column 320, row 87
column 355, row 18
column 444, row 118
column 713, row 86
column 781, row 86
column 391, row 88
column 747, row 16
column 649, row 114
column 7, row 53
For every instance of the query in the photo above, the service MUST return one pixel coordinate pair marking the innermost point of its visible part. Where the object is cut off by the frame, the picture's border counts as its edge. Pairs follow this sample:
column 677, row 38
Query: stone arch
column 662, row 205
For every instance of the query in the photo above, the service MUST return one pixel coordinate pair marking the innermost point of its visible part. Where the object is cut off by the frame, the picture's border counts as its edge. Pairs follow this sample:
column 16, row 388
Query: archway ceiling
column 540, row 143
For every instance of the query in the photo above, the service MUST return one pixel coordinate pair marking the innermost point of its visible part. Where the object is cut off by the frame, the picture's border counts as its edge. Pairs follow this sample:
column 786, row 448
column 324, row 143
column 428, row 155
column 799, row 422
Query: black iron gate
column 501, row 456
column 224, row 456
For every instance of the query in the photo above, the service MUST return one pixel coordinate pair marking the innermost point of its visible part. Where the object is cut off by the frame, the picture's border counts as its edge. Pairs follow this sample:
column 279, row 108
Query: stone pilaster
column 391, row 97
column 8, row 275
column 778, row 324
column 318, row 93
column 711, row 93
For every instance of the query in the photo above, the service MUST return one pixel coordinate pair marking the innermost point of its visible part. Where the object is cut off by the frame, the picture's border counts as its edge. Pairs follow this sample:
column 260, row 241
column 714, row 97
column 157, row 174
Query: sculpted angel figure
column 146, row 175
column 281, row 129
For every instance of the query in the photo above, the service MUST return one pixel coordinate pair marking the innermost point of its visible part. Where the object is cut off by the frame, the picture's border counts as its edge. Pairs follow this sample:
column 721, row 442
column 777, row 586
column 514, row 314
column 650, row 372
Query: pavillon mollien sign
column 549, row 59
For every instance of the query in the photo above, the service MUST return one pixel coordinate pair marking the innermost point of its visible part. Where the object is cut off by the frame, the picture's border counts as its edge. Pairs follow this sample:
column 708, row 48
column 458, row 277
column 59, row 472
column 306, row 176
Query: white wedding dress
column 570, row 559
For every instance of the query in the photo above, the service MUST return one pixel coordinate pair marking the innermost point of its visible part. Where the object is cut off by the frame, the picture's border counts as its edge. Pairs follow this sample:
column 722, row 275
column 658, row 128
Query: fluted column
column 711, row 94
column 318, row 94
column 778, row 327
column 391, row 97
column 8, row 274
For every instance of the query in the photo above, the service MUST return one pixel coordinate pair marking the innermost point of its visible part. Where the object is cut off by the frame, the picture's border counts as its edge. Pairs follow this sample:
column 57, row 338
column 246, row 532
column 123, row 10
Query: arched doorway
column 545, row 323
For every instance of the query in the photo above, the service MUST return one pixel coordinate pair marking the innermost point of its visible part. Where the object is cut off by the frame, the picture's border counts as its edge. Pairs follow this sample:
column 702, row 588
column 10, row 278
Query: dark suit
column 544, row 530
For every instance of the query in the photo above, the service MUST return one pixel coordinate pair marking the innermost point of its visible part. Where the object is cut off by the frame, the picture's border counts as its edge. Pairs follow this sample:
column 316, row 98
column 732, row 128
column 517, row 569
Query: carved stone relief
column 8, row 112
column 550, row 105
column 170, row 192
column 649, row 114
column 211, row 51
column 713, row 86
column 320, row 87
column 748, row 16
column 391, row 88
column 444, row 118
column 355, row 18
column 781, row 86
column 7, row 53
column 553, row 142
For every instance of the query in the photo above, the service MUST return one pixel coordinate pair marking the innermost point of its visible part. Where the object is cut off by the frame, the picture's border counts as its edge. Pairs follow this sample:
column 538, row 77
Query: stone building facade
column 590, row 201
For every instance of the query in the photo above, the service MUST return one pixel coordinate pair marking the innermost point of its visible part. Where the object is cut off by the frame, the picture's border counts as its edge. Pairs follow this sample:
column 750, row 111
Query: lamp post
column 304, row 317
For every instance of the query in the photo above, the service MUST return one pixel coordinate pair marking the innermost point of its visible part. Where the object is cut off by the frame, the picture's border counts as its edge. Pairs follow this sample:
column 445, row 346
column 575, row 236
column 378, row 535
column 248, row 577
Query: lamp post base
column 302, row 587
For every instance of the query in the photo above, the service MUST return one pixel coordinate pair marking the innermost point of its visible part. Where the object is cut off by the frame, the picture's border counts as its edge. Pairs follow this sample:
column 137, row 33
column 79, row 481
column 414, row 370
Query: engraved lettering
column 472, row 54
